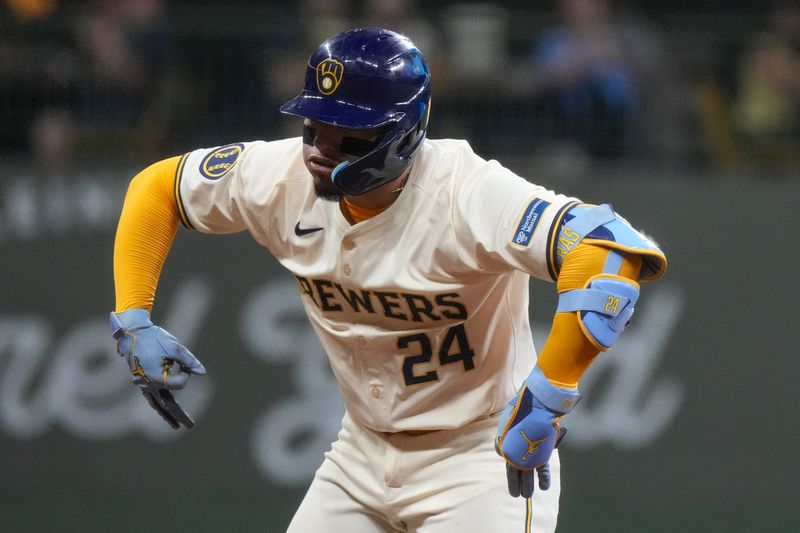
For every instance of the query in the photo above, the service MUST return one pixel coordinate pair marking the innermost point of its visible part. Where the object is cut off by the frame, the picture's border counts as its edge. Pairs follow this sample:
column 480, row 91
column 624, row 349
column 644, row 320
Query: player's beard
column 326, row 191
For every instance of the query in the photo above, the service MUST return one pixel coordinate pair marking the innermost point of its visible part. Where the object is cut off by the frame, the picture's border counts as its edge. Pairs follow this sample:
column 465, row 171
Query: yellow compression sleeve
column 568, row 353
column 147, row 227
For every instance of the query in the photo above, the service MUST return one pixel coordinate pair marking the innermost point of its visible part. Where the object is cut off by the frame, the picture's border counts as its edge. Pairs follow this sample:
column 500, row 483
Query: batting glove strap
column 128, row 320
column 557, row 399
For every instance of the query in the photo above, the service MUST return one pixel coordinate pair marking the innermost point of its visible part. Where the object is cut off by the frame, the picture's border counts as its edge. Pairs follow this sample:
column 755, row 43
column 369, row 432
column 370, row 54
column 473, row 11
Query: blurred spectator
column 583, row 66
column 767, row 109
column 121, row 43
column 37, row 69
column 468, row 69
column 603, row 81
column 52, row 136
column 477, row 35
column 28, row 10
column 80, row 82
column 663, row 122
column 127, row 94
column 311, row 22
column 321, row 17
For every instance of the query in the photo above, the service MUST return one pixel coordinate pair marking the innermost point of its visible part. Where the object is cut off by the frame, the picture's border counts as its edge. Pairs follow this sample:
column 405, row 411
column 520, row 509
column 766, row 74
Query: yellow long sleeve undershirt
column 568, row 352
column 146, row 229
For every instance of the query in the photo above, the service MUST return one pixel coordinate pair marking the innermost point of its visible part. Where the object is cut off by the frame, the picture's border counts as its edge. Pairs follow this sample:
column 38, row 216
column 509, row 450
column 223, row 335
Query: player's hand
column 529, row 431
column 158, row 362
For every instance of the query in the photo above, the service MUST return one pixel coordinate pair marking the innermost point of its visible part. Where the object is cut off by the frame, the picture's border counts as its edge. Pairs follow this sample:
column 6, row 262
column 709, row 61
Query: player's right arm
column 146, row 230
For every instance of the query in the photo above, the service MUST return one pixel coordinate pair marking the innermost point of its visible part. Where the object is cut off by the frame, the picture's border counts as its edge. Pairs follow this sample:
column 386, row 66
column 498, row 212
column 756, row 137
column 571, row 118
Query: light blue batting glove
column 158, row 362
column 529, row 431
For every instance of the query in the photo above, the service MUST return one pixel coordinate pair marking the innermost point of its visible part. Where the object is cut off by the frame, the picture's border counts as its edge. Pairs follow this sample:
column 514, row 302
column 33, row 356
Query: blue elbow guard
column 601, row 225
column 605, row 304
column 604, row 307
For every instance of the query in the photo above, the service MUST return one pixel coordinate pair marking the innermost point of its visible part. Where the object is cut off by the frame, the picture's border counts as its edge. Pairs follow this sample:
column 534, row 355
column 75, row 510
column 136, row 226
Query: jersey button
column 375, row 391
column 348, row 244
column 347, row 270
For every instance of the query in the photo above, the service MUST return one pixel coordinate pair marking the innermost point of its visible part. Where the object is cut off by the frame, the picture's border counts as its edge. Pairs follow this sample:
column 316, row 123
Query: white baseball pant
column 433, row 482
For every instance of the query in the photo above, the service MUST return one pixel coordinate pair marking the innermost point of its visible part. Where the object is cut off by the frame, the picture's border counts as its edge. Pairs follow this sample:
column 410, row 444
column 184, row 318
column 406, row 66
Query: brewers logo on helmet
column 329, row 75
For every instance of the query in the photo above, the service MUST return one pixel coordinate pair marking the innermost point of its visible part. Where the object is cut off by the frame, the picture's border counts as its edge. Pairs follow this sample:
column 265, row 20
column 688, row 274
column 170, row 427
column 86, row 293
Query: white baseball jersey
column 422, row 309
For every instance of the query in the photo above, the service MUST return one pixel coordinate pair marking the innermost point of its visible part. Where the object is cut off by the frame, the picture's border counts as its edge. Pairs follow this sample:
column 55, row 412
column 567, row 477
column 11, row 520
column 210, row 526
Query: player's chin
column 323, row 187
column 321, row 171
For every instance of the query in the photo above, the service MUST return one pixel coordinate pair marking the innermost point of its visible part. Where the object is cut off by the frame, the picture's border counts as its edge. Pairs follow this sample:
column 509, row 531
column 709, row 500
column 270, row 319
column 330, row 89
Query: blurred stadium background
column 685, row 114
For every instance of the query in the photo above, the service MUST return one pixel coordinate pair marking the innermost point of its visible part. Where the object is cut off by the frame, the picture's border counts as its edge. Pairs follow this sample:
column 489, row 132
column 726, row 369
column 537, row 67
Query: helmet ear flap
column 406, row 140
column 376, row 168
column 416, row 135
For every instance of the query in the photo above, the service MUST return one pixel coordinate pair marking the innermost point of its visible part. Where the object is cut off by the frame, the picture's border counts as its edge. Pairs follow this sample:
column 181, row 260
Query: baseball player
column 412, row 257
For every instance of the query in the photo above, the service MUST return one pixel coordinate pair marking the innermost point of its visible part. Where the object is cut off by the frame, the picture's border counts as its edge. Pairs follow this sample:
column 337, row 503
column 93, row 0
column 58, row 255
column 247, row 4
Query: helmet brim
column 338, row 112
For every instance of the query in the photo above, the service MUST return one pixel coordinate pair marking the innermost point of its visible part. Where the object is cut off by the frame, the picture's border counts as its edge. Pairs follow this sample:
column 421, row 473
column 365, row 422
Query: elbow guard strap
column 604, row 307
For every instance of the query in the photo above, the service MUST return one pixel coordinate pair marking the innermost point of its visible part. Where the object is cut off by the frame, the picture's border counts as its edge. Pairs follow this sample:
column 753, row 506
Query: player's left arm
column 599, row 259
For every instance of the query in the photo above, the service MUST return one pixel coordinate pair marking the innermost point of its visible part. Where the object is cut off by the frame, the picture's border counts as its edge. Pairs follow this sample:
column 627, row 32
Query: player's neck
column 382, row 197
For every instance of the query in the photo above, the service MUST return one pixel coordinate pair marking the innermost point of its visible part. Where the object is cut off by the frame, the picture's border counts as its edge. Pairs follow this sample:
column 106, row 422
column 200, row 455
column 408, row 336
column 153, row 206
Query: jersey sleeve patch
column 220, row 161
column 528, row 221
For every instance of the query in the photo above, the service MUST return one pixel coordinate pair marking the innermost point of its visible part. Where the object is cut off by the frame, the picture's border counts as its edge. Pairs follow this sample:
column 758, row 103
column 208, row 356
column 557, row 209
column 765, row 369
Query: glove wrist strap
column 557, row 399
column 130, row 319
column 116, row 326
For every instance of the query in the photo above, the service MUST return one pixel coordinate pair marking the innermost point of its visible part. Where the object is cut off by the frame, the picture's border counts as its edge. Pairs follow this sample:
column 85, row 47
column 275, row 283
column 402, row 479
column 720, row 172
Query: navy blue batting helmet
column 366, row 78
